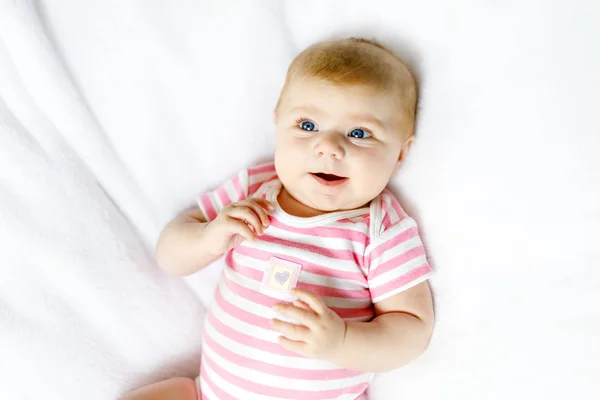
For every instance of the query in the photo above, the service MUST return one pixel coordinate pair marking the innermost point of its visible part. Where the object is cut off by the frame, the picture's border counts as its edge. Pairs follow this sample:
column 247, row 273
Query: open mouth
column 328, row 179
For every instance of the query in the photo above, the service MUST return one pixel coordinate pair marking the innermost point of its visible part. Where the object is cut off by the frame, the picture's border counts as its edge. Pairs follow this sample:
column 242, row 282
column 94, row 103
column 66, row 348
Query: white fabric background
column 114, row 114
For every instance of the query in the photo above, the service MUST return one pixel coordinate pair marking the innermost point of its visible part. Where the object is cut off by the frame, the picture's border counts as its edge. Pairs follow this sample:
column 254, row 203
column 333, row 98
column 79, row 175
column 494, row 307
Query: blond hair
column 358, row 61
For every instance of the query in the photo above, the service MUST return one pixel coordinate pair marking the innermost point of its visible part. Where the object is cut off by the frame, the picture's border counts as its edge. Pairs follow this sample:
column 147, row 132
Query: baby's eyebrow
column 368, row 119
column 307, row 109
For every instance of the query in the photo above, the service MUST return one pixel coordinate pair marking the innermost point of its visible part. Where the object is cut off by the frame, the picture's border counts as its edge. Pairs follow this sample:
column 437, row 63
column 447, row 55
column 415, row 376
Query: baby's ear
column 403, row 152
column 406, row 148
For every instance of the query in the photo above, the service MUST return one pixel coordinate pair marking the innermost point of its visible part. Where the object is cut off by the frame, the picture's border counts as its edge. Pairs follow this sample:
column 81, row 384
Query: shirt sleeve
column 241, row 187
column 397, row 259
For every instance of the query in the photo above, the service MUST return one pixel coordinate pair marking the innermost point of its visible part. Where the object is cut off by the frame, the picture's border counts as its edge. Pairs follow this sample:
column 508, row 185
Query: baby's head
column 344, row 120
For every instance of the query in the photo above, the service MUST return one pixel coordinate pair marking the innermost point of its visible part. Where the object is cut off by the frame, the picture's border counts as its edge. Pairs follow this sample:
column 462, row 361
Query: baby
column 324, row 282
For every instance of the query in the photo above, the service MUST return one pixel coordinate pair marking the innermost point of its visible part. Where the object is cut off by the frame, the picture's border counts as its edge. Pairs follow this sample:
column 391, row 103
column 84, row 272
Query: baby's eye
column 307, row 125
column 359, row 133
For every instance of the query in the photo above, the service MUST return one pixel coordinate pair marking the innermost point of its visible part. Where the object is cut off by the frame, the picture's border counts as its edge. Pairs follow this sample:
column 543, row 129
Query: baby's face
column 336, row 146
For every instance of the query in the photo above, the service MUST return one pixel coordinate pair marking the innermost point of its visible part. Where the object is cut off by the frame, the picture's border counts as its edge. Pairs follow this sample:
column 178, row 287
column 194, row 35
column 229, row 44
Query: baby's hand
column 235, row 223
column 322, row 332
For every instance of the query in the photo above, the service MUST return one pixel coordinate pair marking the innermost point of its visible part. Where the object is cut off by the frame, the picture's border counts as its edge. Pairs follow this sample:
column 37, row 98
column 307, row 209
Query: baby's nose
column 330, row 145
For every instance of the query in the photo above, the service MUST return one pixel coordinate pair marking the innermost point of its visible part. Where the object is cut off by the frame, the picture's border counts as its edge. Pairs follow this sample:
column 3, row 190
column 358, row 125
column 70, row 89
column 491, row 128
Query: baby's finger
column 266, row 204
column 259, row 210
column 304, row 315
column 289, row 330
column 301, row 304
column 247, row 215
column 241, row 228
column 293, row 345
column 315, row 302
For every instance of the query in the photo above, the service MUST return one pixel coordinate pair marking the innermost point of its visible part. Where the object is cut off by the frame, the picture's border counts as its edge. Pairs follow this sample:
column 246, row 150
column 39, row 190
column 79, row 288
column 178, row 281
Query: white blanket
column 114, row 114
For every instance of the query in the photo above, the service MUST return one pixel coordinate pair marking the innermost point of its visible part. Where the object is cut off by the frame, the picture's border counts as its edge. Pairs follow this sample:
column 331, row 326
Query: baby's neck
column 293, row 207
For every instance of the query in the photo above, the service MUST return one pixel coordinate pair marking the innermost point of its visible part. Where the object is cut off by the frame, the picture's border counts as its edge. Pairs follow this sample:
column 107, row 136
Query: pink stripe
column 262, row 255
column 237, row 184
column 241, row 315
column 254, row 187
column 364, row 219
column 208, row 208
column 395, row 241
column 386, row 221
column 223, row 196
column 331, row 292
column 267, row 301
column 347, row 255
column 368, row 242
column 384, row 203
column 248, row 341
column 396, row 262
column 401, row 281
column 221, row 394
column 247, row 272
column 396, row 206
column 257, row 388
column 337, row 233
column 277, row 370
column 259, row 169
column 251, row 295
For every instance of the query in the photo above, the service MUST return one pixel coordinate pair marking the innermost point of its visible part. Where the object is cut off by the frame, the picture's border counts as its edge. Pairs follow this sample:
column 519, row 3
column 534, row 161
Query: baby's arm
column 180, row 249
column 399, row 333
column 188, row 243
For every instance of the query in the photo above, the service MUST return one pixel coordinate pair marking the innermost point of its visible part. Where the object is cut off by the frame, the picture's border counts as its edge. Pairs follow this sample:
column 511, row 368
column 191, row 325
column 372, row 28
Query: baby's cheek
column 374, row 169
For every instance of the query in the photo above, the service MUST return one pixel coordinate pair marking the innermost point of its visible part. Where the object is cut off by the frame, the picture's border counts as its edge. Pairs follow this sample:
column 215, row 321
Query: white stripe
column 320, row 241
column 331, row 282
column 205, row 389
column 216, row 201
column 255, row 286
column 200, row 205
column 257, row 310
column 309, row 256
column 271, row 358
column 233, row 390
column 243, row 327
column 396, row 250
column 282, row 382
column 359, row 227
column 240, row 279
column 402, row 288
column 244, row 181
column 400, row 227
column 394, row 216
column 262, row 177
column 305, row 276
column 397, row 272
column 231, row 191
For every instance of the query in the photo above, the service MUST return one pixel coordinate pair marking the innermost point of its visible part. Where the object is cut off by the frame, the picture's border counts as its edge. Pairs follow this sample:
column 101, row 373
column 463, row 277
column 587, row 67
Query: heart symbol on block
column 282, row 277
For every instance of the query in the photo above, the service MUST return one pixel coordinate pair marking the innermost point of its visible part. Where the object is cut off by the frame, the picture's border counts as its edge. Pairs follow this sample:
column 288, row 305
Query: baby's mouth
column 328, row 179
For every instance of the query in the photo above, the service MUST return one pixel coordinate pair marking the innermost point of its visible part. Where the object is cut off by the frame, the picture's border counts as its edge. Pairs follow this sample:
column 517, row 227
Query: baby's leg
column 170, row 389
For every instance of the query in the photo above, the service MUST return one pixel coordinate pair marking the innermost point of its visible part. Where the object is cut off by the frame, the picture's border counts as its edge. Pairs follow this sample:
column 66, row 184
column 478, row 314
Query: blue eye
column 359, row 134
column 307, row 126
